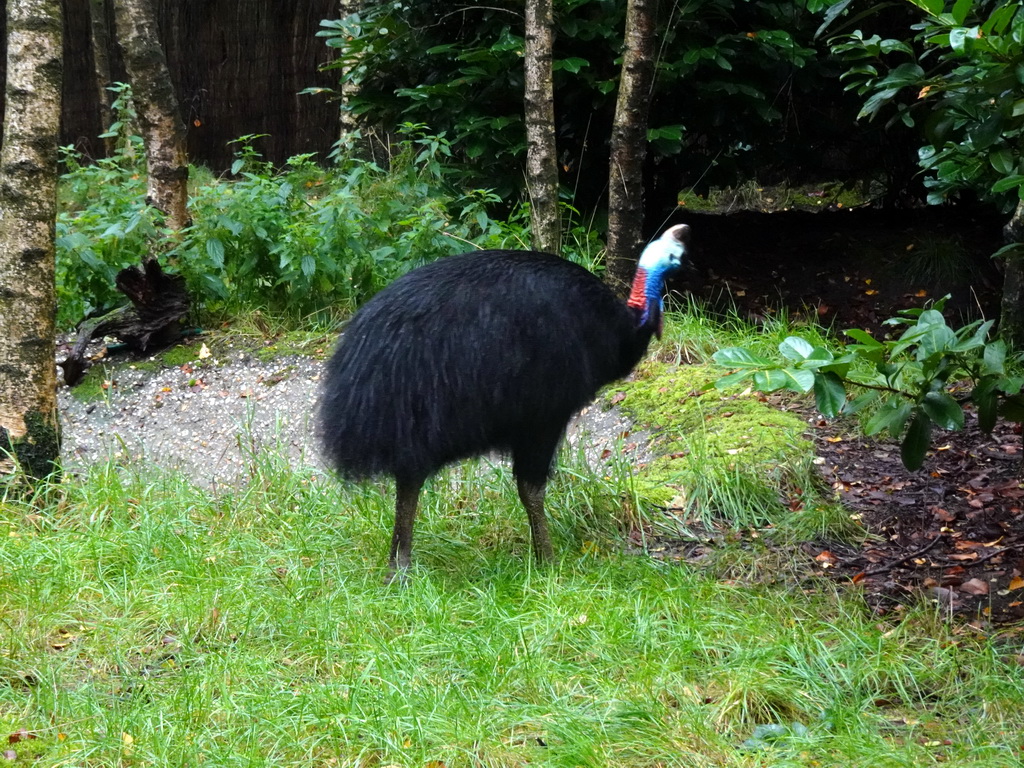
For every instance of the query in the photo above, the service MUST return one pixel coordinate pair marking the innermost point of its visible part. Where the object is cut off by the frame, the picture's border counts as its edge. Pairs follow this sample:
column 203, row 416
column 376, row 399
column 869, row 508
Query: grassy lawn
column 147, row 622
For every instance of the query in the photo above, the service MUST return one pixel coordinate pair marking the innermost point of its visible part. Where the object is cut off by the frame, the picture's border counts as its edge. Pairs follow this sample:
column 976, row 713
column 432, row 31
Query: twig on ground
column 911, row 556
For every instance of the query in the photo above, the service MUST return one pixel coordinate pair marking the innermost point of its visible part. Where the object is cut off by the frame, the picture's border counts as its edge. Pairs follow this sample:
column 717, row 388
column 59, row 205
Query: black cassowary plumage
column 493, row 350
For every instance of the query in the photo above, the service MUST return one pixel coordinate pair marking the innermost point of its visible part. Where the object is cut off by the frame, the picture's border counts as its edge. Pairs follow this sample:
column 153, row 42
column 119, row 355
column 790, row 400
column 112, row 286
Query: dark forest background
column 238, row 67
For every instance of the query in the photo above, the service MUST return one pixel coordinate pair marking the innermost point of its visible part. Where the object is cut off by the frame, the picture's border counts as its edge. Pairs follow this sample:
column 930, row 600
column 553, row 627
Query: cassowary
column 492, row 350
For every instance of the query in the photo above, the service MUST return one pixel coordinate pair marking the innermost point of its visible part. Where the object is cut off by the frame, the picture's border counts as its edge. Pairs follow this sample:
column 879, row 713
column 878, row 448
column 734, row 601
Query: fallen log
column 153, row 319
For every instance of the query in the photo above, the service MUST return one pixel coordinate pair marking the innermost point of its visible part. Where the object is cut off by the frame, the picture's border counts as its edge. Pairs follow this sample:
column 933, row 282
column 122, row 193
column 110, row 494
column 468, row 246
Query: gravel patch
column 208, row 419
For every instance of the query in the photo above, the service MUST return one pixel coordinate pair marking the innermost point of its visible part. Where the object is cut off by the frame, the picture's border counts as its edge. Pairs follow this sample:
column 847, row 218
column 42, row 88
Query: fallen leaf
column 975, row 587
column 204, row 352
column 21, row 735
column 1016, row 583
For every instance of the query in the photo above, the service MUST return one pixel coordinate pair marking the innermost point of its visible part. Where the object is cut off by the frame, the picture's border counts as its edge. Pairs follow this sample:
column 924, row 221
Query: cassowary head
column 659, row 259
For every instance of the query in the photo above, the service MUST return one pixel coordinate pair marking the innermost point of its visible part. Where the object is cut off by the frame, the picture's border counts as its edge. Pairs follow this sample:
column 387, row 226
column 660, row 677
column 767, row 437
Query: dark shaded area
column 237, row 67
column 953, row 531
column 153, row 319
column 849, row 268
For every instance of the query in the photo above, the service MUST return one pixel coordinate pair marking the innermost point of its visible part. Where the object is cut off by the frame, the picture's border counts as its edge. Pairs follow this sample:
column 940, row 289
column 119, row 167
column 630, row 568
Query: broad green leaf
column 573, row 64
column 891, row 416
column 994, row 358
column 775, row 379
column 1002, row 161
column 795, row 348
column 989, row 132
column 960, row 10
column 1011, row 385
column 863, row 337
column 861, row 401
column 915, row 444
column 829, row 395
column 739, row 357
column 215, row 250
column 732, row 380
column 933, row 7
column 987, row 404
column 943, row 410
column 1010, row 182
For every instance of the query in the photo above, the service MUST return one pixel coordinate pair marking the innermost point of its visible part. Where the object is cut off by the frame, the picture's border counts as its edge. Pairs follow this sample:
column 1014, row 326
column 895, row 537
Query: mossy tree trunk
column 352, row 132
column 629, row 145
column 1011, row 322
column 29, row 428
column 541, row 154
column 157, row 107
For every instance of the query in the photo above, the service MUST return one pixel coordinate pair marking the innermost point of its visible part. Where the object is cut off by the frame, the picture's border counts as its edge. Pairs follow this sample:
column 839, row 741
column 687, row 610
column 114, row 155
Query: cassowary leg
column 532, row 495
column 406, row 500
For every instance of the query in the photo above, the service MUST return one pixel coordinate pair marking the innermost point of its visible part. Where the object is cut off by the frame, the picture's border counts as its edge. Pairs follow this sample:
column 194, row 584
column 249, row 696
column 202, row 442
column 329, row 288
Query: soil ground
column 952, row 531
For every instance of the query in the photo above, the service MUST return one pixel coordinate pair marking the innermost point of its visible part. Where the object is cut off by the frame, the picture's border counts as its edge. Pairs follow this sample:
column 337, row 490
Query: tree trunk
column 541, row 155
column 629, row 145
column 1011, row 322
column 100, row 40
column 350, row 129
column 29, row 429
column 157, row 107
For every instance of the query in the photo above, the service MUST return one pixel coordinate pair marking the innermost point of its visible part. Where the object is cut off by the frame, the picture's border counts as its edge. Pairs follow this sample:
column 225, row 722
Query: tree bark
column 100, row 39
column 350, row 129
column 1011, row 321
column 541, row 154
column 157, row 107
column 629, row 145
column 29, row 429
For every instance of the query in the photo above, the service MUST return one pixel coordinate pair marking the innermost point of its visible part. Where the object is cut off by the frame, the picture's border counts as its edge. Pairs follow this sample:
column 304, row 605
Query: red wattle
column 638, row 296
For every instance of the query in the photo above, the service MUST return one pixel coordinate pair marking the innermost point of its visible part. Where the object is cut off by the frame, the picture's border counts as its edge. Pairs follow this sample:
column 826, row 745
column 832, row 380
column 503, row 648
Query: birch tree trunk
column 157, row 107
column 629, row 145
column 349, row 128
column 29, row 429
column 541, row 154
column 1011, row 320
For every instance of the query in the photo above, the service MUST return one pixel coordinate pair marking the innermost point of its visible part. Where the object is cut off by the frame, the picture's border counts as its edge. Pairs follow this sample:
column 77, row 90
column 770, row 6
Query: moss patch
column 93, row 386
column 733, row 456
column 768, row 198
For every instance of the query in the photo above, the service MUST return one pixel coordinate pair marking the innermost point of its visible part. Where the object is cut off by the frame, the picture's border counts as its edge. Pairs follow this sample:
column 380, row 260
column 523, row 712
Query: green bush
column 291, row 241
column 103, row 222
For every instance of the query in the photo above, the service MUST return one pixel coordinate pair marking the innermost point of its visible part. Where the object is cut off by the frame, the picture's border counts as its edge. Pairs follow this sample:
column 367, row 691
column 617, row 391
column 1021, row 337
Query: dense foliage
column 742, row 88
column 293, row 241
column 960, row 78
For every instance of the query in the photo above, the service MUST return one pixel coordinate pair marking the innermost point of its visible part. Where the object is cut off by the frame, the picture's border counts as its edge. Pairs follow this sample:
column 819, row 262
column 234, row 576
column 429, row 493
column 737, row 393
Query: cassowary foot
column 397, row 575
column 532, row 496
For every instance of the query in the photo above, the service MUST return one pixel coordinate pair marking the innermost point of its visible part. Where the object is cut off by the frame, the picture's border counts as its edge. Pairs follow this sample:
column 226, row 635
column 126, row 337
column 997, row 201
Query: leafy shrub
column 302, row 239
column 291, row 241
column 910, row 380
column 103, row 222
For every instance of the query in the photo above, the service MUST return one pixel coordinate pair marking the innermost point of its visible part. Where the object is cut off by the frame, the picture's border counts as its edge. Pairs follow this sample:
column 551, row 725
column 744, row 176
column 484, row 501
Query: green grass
column 148, row 622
